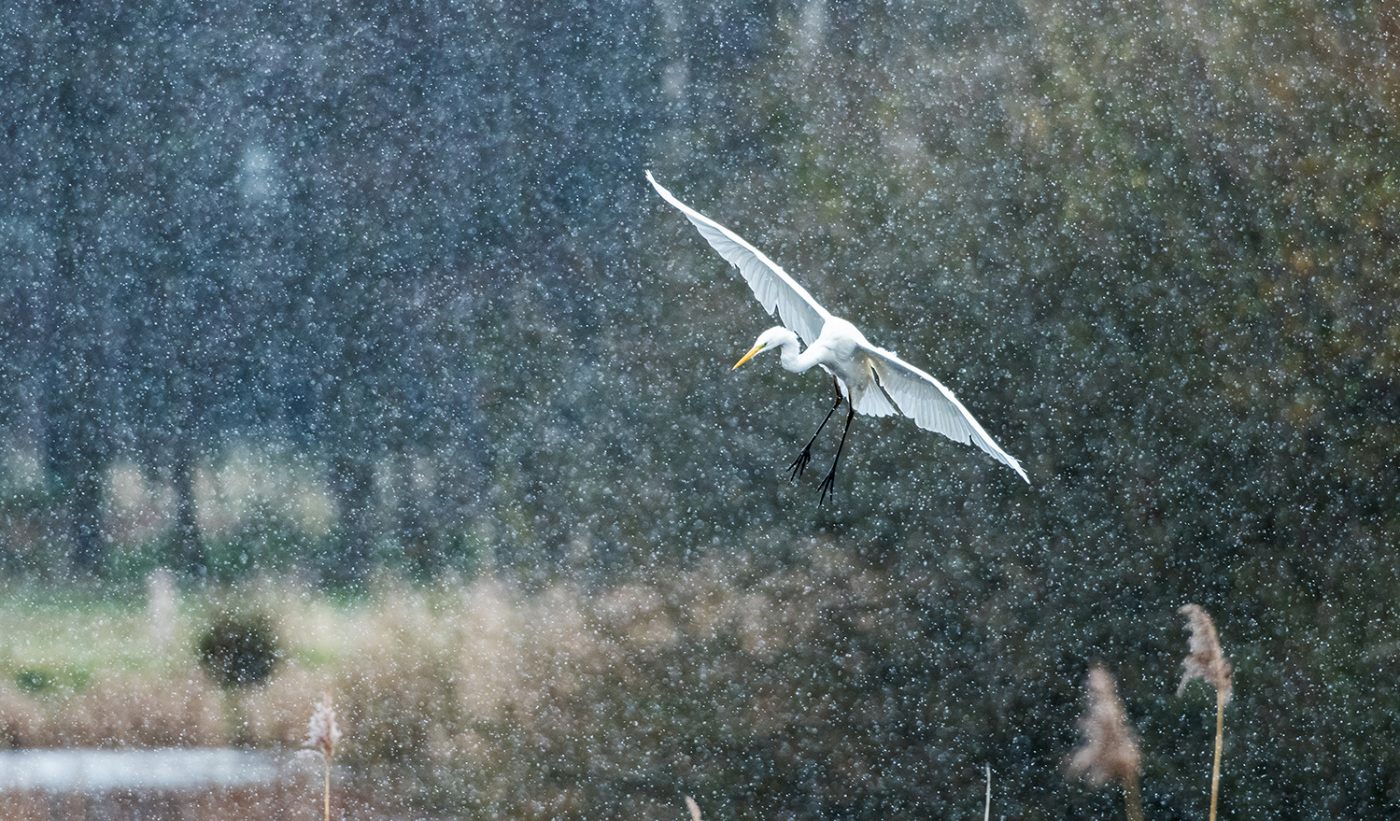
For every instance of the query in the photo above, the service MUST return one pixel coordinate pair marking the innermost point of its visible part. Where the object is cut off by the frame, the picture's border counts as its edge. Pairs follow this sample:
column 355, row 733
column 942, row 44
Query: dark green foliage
column 32, row 680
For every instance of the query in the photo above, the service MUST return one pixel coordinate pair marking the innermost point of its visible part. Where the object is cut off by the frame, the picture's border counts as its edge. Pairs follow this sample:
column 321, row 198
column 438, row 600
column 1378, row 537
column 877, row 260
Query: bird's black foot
column 828, row 487
column 799, row 464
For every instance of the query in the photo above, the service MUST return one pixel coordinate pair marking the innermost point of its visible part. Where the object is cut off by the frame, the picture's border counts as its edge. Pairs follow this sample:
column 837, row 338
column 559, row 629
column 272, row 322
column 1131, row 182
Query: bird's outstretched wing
column 931, row 405
column 777, row 291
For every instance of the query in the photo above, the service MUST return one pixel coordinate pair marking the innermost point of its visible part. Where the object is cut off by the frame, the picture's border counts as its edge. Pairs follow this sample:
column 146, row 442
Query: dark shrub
column 239, row 650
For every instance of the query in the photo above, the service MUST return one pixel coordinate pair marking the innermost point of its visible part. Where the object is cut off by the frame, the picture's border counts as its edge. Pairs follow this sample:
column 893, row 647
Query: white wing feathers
column 918, row 395
column 777, row 291
column 932, row 406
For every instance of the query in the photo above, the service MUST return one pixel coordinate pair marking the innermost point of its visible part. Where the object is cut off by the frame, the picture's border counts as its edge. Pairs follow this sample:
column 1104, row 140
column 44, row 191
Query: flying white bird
column 873, row 381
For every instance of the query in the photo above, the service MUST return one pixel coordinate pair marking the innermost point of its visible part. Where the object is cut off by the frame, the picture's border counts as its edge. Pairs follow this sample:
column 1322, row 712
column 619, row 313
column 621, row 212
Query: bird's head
column 772, row 338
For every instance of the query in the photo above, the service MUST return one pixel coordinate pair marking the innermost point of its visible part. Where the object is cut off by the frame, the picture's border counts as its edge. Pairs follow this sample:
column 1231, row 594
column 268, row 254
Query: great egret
column 873, row 381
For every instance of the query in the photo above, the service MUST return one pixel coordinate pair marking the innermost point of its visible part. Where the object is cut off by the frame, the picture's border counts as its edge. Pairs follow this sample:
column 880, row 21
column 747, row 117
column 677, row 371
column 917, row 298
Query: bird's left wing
column 778, row 292
column 931, row 405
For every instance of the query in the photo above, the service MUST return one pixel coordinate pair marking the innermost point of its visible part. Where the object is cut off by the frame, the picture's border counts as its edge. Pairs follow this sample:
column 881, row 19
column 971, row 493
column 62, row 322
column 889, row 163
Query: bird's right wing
column 777, row 291
column 931, row 405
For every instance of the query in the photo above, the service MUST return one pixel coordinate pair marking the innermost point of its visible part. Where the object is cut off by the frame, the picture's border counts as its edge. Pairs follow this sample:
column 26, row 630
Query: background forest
column 338, row 294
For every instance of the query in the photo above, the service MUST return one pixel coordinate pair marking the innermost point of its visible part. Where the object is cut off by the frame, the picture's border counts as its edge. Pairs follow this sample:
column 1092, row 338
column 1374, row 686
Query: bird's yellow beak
column 755, row 349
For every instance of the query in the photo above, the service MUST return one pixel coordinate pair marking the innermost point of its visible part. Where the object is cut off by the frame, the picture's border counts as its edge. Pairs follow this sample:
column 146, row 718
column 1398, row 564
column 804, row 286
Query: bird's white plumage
column 778, row 292
column 874, row 380
column 931, row 405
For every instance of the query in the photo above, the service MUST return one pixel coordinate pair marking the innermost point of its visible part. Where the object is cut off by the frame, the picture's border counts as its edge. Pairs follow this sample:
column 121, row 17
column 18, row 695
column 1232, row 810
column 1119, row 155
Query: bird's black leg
column 800, row 463
column 830, row 481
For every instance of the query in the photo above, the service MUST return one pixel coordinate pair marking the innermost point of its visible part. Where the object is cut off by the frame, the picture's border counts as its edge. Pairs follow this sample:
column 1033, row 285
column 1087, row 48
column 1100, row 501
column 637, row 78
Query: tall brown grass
column 132, row 709
column 1109, row 752
column 1207, row 662
column 322, row 735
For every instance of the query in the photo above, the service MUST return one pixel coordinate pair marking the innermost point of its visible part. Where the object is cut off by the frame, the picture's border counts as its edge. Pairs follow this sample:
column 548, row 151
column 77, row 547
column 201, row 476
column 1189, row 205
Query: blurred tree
column 77, row 374
column 185, row 298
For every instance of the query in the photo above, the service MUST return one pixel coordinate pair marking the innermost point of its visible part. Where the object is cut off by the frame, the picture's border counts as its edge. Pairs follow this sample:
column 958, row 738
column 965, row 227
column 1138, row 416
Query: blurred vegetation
column 326, row 292
column 761, row 694
column 824, row 687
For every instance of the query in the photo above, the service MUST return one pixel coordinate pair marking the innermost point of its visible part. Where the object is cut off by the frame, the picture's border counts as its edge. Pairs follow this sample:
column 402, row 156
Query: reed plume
column 1110, row 748
column 322, row 734
column 1208, row 663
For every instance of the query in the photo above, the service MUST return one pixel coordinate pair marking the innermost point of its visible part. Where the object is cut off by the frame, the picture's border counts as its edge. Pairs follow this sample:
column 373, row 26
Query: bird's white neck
column 792, row 358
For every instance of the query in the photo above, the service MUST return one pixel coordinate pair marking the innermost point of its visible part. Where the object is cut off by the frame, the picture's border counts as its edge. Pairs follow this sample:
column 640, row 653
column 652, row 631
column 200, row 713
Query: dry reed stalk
column 1208, row 663
column 1110, row 749
column 987, row 811
column 322, row 734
